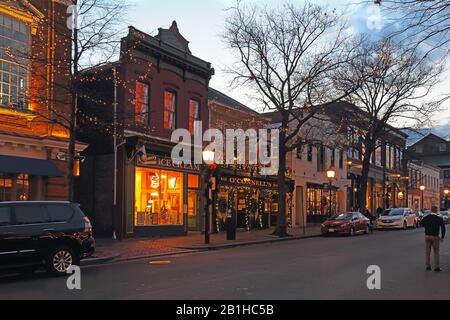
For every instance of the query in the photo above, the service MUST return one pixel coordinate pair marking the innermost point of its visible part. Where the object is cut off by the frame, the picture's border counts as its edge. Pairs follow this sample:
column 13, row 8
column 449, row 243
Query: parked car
column 445, row 216
column 398, row 218
column 349, row 223
column 51, row 234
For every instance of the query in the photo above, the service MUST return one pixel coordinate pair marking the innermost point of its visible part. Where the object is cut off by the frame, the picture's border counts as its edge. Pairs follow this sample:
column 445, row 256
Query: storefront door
column 241, row 210
column 193, row 219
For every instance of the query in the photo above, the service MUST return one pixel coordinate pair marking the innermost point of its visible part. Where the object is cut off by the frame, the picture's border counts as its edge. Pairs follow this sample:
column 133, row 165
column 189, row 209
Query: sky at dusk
column 202, row 22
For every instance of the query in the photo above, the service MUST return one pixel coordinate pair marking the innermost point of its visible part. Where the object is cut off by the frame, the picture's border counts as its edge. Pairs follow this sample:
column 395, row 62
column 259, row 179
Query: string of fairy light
column 39, row 67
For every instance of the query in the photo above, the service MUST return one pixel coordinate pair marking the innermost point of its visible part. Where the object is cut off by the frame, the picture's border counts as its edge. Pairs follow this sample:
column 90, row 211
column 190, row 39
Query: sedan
column 399, row 218
column 349, row 223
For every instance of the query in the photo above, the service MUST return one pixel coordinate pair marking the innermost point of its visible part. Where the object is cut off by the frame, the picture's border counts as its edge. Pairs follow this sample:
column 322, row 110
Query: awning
column 34, row 167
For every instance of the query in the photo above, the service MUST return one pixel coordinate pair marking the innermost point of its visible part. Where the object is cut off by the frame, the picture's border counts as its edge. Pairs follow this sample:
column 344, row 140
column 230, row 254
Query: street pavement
column 317, row 268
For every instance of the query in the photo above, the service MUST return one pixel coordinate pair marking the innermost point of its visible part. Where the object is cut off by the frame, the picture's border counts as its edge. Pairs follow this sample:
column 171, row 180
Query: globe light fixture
column 331, row 173
column 208, row 156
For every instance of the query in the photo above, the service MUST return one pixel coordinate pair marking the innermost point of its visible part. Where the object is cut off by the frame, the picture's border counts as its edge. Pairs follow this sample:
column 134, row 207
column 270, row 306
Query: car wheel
column 60, row 259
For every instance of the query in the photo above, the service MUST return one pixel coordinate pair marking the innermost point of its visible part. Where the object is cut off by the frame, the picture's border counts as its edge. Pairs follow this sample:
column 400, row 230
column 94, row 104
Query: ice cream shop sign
column 166, row 163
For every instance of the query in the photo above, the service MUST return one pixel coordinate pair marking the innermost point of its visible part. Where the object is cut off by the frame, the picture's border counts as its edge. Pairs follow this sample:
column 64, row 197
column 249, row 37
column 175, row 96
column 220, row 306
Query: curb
column 158, row 255
column 189, row 249
column 116, row 258
column 96, row 261
column 246, row 243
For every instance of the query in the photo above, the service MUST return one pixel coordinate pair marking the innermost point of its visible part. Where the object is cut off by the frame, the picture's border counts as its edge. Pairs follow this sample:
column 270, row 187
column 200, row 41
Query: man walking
column 433, row 223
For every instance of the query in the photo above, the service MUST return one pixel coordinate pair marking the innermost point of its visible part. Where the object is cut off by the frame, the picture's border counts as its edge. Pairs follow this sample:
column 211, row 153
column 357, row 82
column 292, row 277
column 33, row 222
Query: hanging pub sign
column 248, row 182
column 166, row 163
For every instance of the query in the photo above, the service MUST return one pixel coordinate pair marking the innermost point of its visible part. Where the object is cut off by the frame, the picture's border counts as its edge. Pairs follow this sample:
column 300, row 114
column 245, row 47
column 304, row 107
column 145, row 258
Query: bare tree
column 421, row 22
column 285, row 58
column 395, row 83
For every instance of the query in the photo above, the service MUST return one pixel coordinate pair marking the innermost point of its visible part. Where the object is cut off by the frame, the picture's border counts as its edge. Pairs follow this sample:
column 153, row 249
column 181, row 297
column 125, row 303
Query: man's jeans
column 432, row 242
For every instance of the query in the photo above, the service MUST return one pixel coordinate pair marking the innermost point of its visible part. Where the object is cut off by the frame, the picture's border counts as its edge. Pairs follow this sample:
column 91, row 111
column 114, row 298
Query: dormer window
column 15, row 38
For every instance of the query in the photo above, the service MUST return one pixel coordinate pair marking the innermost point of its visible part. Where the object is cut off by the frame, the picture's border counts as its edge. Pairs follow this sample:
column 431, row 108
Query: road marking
column 160, row 262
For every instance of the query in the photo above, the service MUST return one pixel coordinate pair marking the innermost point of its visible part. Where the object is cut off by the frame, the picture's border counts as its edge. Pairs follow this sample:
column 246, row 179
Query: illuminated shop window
column 15, row 37
column 23, row 187
column 6, row 183
column 158, row 197
column 13, row 187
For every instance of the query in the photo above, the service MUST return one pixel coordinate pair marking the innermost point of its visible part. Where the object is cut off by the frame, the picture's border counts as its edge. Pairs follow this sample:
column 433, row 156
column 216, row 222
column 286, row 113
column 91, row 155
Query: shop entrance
column 193, row 219
column 241, row 210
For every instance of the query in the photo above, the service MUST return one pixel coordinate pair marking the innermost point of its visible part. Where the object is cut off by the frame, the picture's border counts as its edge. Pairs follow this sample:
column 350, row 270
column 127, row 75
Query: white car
column 398, row 218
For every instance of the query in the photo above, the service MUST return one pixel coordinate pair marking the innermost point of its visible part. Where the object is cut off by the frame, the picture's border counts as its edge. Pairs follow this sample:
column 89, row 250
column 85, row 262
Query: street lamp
column 446, row 193
column 422, row 189
column 331, row 175
column 208, row 159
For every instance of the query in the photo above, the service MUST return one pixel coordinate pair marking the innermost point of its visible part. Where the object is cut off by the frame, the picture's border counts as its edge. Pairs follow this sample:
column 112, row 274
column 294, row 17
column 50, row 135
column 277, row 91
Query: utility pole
column 114, row 211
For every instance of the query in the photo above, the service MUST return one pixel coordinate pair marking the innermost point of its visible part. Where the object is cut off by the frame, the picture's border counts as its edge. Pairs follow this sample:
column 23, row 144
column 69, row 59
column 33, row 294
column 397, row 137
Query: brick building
column 241, row 186
column 160, row 86
column 435, row 151
column 34, row 65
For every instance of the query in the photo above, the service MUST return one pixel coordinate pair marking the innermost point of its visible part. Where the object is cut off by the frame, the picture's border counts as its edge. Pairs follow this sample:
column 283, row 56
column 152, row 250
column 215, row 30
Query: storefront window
column 23, row 187
column 5, row 187
column 193, row 181
column 14, row 188
column 158, row 197
column 318, row 203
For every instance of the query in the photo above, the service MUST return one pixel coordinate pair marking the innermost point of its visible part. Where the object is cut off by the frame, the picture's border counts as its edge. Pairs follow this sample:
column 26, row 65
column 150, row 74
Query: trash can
column 231, row 225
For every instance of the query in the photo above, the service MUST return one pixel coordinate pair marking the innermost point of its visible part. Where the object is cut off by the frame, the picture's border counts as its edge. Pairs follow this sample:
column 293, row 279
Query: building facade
column 435, row 151
column 387, row 184
column 157, row 86
column 240, row 186
column 424, row 185
column 313, row 198
column 34, row 101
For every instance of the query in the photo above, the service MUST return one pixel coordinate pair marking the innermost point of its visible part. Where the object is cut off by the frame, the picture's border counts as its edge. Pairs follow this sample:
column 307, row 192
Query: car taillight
column 87, row 225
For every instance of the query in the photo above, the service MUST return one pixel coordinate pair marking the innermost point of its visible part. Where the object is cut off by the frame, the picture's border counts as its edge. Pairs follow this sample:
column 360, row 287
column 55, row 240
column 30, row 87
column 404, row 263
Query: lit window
column 194, row 110
column 141, row 103
column 14, row 50
column 169, row 110
column 159, row 197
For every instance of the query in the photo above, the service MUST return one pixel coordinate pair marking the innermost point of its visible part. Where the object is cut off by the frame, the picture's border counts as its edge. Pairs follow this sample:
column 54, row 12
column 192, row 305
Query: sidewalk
column 138, row 248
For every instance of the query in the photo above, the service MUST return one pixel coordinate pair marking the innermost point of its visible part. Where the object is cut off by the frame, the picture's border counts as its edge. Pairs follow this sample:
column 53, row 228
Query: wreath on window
column 223, row 205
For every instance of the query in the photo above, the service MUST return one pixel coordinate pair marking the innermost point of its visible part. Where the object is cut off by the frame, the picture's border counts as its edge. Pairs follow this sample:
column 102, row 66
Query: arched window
column 15, row 38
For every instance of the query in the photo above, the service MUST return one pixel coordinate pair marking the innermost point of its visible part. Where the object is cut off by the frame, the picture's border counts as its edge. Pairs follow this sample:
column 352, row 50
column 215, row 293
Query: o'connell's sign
column 248, row 182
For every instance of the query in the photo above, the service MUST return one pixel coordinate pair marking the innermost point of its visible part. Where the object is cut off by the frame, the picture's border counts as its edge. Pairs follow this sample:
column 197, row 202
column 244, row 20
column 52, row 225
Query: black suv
column 51, row 234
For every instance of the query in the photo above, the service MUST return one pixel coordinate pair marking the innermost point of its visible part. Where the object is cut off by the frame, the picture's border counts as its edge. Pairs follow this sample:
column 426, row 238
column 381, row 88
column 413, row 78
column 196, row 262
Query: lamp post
column 331, row 175
column 208, row 159
column 422, row 189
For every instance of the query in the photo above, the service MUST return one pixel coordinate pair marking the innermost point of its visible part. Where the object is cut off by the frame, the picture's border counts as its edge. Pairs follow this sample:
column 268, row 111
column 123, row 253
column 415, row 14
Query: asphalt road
column 319, row 268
